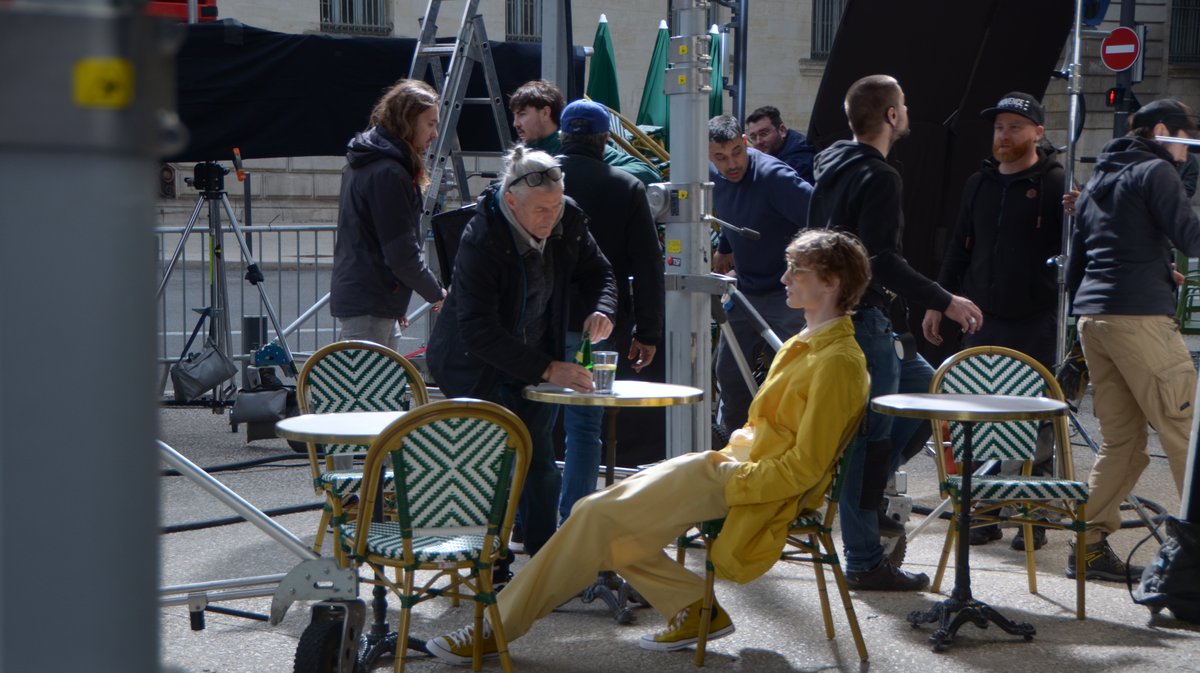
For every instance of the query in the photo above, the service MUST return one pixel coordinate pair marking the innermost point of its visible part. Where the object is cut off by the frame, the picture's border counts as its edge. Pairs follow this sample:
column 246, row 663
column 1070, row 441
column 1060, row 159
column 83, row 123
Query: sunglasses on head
column 536, row 178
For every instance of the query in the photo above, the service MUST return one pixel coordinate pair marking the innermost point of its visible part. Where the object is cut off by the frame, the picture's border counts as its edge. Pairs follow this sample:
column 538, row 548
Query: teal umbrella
column 653, row 110
column 602, row 77
column 716, row 97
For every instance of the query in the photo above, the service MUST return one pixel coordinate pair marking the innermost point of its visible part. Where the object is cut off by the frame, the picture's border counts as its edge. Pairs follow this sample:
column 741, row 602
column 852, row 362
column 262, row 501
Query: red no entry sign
column 1119, row 51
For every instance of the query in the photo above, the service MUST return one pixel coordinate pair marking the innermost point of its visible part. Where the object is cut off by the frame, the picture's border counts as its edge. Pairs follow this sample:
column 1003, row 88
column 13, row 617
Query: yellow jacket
column 805, row 410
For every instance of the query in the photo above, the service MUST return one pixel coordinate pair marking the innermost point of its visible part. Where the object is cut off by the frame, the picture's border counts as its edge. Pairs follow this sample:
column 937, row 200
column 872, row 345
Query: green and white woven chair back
column 355, row 379
column 992, row 374
column 452, row 474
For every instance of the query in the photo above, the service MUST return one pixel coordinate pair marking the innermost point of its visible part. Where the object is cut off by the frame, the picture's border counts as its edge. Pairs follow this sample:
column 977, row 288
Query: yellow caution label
column 683, row 50
column 674, row 246
column 103, row 82
column 682, row 80
column 683, row 195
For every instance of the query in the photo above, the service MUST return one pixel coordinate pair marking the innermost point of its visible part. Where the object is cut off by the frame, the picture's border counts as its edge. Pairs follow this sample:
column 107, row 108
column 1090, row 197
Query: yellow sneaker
column 684, row 629
column 456, row 647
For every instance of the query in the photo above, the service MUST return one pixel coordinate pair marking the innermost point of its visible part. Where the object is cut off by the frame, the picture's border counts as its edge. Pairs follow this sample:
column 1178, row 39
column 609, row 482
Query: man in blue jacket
column 755, row 191
column 767, row 133
column 1132, row 212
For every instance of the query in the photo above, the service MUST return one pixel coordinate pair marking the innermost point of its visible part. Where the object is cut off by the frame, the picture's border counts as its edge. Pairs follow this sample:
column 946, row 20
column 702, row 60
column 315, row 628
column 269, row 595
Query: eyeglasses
column 536, row 178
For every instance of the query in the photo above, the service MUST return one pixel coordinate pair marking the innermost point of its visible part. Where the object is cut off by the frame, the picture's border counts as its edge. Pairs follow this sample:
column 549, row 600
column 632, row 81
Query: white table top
column 979, row 408
column 624, row 394
column 347, row 427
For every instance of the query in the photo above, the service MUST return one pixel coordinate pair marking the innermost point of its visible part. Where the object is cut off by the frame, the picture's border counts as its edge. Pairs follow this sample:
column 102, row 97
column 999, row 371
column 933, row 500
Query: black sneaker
column 1039, row 538
column 1100, row 562
column 985, row 534
column 886, row 577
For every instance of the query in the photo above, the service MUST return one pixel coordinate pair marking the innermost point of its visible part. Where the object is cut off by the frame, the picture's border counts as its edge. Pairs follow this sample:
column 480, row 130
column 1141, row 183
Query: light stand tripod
column 209, row 179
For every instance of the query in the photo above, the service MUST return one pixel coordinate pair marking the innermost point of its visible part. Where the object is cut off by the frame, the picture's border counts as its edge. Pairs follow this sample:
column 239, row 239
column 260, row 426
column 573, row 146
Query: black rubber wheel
column 319, row 647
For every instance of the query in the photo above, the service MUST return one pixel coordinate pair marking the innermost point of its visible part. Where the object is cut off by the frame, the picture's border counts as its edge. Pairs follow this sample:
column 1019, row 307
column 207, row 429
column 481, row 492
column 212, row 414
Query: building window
column 1185, row 31
column 356, row 16
column 827, row 14
column 523, row 20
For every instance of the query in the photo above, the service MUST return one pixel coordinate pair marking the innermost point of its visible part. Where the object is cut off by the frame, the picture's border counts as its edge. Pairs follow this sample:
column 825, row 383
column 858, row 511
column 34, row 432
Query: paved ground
column 778, row 620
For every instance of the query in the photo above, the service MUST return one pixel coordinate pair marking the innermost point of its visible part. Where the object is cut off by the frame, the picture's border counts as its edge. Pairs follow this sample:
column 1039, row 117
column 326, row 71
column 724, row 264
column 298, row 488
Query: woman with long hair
column 378, row 261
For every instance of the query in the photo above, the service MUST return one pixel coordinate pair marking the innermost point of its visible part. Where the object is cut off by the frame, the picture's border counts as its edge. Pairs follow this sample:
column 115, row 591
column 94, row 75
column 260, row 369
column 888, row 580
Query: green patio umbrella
column 602, row 77
column 653, row 110
column 716, row 98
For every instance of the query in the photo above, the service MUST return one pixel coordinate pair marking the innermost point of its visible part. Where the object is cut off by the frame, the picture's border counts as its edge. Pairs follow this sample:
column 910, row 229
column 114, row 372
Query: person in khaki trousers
column 782, row 458
column 1131, row 213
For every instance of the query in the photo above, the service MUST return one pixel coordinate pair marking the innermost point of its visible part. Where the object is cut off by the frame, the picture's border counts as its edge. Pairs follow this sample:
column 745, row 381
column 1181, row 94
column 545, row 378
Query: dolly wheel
column 319, row 647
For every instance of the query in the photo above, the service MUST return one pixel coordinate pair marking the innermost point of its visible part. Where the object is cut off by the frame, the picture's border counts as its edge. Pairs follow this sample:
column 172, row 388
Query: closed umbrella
column 716, row 97
column 653, row 110
column 602, row 77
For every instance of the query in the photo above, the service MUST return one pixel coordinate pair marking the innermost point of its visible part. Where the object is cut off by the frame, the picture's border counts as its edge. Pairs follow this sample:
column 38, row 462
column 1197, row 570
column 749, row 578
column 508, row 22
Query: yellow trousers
column 1141, row 373
column 622, row 528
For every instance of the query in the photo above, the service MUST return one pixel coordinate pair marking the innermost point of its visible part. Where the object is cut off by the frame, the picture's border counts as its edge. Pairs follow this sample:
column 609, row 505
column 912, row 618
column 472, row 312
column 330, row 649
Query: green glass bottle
column 583, row 356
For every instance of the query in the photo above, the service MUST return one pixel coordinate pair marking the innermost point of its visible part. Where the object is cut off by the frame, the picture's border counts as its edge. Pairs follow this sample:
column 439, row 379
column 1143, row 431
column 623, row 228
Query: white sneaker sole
column 438, row 650
column 649, row 643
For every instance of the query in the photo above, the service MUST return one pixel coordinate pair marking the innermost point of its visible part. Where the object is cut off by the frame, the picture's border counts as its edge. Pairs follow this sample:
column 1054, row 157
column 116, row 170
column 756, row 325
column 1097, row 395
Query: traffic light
column 1115, row 97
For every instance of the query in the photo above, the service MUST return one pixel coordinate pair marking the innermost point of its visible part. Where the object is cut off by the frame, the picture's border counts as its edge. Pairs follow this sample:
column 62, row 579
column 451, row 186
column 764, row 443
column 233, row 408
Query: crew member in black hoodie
column 1009, row 225
column 1132, row 212
column 377, row 262
column 859, row 192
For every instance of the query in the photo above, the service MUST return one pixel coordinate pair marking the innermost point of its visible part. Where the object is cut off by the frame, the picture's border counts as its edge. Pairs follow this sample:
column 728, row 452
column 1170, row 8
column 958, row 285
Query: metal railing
column 1185, row 31
column 296, row 261
column 523, row 20
column 355, row 16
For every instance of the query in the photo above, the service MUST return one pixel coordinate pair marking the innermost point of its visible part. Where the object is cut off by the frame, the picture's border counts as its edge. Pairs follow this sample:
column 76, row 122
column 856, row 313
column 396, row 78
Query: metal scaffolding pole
column 87, row 93
column 688, row 303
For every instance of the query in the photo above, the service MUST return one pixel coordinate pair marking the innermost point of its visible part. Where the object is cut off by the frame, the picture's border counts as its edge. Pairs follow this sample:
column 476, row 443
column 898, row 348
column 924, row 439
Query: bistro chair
column 459, row 467
column 351, row 376
column 809, row 540
column 992, row 370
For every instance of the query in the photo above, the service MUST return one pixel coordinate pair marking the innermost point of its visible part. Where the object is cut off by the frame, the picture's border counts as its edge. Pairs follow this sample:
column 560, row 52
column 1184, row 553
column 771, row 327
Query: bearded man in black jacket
column 1132, row 212
column 505, row 318
column 1009, row 225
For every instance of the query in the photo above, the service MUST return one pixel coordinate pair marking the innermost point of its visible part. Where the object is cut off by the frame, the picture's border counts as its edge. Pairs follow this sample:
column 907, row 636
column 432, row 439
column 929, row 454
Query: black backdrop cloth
column 953, row 60
column 279, row 95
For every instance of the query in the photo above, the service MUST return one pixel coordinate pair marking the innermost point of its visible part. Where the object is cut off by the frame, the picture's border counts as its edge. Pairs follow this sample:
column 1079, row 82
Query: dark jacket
column 771, row 199
column 377, row 261
column 860, row 192
column 1130, row 213
column 619, row 219
column 797, row 153
column 474, row 342
column 1008, row 227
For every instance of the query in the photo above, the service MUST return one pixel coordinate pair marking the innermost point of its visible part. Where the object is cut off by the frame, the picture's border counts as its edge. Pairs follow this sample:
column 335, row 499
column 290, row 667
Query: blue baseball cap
column 584, row 117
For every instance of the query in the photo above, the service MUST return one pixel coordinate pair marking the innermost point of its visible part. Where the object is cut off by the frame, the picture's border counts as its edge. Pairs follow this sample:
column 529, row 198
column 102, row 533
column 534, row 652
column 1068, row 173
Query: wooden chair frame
column 366, row 542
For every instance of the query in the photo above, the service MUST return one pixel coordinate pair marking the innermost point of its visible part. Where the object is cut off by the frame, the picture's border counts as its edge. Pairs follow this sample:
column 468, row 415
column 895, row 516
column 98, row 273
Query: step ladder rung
column 437, row 50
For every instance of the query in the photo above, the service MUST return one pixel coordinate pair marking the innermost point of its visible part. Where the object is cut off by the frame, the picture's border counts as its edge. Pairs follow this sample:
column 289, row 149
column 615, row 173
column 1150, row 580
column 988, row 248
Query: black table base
column 962, row 607
column 952, row 613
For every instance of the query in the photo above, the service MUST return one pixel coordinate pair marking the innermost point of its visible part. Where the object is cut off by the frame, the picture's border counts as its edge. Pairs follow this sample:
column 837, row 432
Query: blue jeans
column 537, row 510
column 785, row 321
column 581, row 425
column 885, row 438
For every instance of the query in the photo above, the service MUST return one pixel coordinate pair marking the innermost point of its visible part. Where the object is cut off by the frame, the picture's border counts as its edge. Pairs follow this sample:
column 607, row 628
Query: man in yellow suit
column 783, row 458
